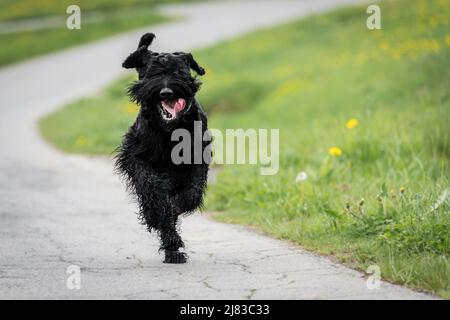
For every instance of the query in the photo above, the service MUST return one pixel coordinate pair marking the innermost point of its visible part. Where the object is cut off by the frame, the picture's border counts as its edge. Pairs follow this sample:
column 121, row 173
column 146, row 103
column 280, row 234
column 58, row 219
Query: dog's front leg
column 171, row 241
column 157, row 210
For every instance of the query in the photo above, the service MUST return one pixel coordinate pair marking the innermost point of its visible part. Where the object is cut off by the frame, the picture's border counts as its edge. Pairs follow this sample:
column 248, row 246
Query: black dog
column 165, row 91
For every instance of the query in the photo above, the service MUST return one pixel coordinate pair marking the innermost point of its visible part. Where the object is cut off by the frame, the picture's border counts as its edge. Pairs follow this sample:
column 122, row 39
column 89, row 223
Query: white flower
column 301, row 176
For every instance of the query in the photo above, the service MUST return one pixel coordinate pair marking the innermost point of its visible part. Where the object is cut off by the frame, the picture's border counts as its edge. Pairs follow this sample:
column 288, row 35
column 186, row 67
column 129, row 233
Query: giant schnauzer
column 165, row 91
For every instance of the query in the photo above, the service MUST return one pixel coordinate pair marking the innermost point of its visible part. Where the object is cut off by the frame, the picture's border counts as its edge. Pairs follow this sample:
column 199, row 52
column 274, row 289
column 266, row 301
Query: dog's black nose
column 166, row 93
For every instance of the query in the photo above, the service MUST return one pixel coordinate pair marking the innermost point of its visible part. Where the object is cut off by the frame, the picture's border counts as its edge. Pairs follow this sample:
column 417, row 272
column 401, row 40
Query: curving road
column 58, row 210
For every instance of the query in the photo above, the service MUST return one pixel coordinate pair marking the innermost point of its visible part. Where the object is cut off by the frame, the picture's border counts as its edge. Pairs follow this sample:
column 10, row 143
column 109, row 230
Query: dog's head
column 165, row 88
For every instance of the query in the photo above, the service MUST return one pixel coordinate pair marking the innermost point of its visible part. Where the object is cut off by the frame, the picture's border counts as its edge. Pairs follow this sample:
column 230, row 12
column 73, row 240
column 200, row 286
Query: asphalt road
column 58, row 210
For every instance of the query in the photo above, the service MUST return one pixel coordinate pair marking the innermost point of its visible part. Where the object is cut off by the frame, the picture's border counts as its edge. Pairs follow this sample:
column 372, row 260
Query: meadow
column 364, row 135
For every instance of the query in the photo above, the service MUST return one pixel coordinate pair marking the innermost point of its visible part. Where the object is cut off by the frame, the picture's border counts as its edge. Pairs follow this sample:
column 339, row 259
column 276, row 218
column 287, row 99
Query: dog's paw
column 175, row 257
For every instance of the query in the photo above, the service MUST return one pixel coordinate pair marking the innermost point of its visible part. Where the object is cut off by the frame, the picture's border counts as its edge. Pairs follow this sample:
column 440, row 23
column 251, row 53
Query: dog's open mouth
column 170, row 109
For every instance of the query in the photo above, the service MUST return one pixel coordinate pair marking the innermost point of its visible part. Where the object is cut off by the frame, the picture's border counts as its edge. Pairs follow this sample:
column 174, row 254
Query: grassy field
column 364, row 114
column 111, row 17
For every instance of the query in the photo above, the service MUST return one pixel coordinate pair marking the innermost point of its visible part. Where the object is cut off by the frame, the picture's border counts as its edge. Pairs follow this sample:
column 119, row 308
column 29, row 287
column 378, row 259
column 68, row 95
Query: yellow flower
column 335, row 151
column 352, row 123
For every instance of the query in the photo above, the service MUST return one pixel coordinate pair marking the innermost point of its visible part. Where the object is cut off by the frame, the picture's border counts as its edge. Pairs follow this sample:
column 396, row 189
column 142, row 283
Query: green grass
column 308, row 79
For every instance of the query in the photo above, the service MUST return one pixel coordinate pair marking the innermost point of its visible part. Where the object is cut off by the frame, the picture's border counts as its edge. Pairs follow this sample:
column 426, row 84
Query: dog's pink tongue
column 179, row 105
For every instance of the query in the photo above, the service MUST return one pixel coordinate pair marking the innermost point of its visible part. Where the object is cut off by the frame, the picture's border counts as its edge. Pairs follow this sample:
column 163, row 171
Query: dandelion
column 335, row 151
column 352, row 123
column 402, row 190
column 301, row 176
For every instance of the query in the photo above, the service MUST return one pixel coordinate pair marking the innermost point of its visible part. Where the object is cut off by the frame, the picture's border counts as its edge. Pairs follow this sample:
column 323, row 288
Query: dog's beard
column 171, row 109
column 168, row 113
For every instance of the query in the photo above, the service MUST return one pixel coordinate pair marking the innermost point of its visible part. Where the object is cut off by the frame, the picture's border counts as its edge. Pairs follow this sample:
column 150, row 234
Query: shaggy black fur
column 163, row 189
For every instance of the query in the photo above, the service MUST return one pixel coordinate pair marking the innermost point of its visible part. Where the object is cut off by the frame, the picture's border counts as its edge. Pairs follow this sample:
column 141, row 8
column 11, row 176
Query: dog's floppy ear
column 193, row 64
column 138, row 58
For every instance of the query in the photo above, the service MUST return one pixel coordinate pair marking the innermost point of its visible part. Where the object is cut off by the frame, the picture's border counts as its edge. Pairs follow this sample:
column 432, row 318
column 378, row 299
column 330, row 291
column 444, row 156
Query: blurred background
column 32, row 27
column 363, row 118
